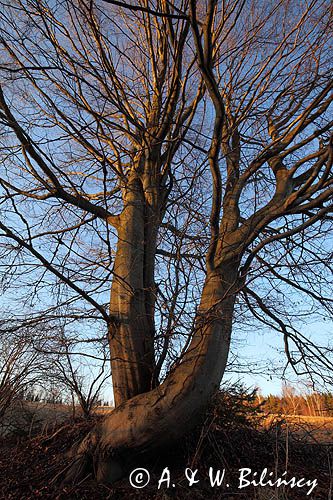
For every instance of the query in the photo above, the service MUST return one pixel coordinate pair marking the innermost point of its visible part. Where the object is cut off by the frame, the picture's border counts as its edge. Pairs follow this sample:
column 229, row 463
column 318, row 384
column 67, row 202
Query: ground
column 34, row 467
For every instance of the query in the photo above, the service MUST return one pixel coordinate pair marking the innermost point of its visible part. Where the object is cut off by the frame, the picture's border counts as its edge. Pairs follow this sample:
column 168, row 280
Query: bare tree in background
column 84, row 381
column 180, row 154
column 20, row 368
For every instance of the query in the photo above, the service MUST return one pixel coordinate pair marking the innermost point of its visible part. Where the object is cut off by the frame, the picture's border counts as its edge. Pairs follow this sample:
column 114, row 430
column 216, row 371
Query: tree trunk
column 131, row 333
column 158, row 418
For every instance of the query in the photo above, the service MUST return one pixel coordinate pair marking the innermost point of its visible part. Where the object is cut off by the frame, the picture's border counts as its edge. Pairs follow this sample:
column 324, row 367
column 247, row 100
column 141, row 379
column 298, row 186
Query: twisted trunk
column 147, row 416
column 158, row 418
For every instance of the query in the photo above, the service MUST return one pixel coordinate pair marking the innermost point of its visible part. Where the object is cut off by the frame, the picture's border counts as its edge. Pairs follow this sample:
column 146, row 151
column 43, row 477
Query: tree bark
column 131, row 332
column 158, row 418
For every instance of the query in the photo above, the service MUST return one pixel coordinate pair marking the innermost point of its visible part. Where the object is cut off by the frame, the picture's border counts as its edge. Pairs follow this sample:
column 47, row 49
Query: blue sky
column 266, row 347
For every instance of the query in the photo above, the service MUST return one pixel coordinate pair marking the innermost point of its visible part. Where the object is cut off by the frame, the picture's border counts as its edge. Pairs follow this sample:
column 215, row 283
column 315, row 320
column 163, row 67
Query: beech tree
column 178, row 154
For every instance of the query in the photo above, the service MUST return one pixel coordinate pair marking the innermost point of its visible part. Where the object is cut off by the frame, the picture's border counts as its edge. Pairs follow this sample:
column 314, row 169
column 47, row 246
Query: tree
column 20, row 368
column 179, row 152
column 83, row 382
column 291, row 399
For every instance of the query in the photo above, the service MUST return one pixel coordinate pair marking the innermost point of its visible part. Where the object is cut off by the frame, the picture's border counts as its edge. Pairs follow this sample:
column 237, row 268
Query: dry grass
column 228, row 438
column 304, row 428
column 29, row 418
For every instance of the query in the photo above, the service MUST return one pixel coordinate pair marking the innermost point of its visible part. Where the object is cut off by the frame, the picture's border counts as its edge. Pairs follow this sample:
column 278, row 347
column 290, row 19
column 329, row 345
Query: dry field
column 33, row 466
column 30, row 417
column 26, row 417
column 304, row 428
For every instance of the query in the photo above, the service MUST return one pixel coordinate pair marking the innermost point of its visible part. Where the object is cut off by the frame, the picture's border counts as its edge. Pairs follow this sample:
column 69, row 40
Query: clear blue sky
column 265, row 348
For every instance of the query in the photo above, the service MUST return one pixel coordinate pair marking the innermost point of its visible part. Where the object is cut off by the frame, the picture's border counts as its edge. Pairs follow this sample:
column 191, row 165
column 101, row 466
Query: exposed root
column 82, row 455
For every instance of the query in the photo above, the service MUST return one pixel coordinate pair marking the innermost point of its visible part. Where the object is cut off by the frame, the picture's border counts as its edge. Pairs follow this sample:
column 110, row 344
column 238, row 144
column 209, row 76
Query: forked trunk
column 158, row 418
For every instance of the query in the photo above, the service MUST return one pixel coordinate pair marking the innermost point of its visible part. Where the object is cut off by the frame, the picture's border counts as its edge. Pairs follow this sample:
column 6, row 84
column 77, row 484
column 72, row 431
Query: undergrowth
column 231, row 436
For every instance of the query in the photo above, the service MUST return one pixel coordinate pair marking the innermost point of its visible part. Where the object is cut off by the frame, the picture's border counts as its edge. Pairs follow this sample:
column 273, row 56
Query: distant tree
column 290, row 399
column 83, row 382
column 20, row 368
